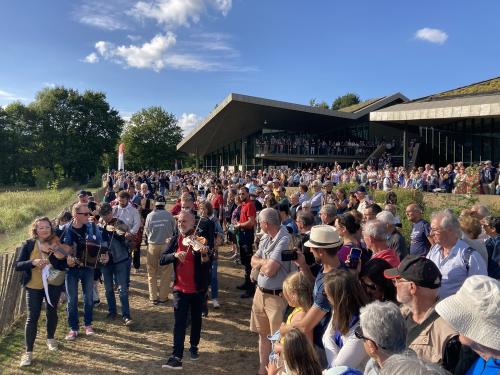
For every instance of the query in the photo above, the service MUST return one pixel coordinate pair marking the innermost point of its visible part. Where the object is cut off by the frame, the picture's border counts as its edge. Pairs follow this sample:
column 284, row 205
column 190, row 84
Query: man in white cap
column 324, row 242
column 474, row 311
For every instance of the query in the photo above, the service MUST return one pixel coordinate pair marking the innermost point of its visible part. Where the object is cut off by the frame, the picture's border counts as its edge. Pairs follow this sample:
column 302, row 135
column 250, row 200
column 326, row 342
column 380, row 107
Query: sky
column 188, row 55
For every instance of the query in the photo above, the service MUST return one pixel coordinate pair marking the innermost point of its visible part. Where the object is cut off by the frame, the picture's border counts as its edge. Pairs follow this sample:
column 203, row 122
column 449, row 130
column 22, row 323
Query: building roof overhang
column 238, row 116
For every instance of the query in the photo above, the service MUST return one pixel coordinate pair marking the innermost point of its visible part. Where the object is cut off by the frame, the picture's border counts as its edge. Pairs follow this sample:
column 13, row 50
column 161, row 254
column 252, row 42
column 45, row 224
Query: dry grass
column 227, row 346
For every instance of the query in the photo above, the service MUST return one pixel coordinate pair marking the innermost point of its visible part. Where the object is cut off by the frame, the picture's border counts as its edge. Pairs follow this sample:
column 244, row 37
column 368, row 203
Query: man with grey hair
column 395, row 240
column 375, row 237
column 294, row 204
column 417, row 281
column 327, row 214
column 455, row 259
column 270, row 271
column 383, row 331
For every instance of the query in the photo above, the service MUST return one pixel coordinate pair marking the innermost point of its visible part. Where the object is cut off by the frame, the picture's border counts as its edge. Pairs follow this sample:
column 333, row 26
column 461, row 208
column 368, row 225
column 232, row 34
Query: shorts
column 267, row 313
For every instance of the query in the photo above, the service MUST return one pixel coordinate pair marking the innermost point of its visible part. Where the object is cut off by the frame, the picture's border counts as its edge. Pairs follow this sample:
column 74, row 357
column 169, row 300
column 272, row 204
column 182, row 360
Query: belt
column 276, row 292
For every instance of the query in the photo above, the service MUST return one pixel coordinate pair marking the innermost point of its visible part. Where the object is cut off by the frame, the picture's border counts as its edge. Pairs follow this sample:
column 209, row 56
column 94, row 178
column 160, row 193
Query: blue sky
column 187, row 55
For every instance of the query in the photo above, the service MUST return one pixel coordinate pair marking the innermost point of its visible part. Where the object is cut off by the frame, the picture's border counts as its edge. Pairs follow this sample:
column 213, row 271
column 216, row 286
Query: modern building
column 245, row 132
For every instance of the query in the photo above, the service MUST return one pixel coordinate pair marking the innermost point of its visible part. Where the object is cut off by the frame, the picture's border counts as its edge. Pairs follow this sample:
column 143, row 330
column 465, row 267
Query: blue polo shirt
column 453, row 268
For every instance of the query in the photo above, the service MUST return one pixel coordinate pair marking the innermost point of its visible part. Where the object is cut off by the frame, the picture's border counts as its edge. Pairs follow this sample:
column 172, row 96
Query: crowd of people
column 335, row 286
column 305, row 144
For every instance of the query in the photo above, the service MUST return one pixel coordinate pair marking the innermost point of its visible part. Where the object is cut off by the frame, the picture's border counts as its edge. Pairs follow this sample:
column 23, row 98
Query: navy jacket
column 25, row 265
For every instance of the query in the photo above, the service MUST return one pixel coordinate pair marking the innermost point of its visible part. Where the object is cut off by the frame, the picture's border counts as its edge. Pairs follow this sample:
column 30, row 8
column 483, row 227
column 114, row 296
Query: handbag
column 55, row 277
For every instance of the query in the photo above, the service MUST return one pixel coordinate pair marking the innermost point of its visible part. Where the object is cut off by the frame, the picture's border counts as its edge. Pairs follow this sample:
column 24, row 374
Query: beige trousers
column 155, row 272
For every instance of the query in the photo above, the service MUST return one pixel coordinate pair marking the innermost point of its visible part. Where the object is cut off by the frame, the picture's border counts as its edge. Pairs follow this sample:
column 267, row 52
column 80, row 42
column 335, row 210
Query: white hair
column 375, row 229
column 329, row 210
column 447, row 221
column 270, row 216
column 383, row 323
column 386, row 217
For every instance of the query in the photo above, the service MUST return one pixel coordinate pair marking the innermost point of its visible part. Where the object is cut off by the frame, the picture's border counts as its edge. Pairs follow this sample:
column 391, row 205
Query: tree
column 345, row 101
column 314, row 103
column 74, row 130
column 151, row 139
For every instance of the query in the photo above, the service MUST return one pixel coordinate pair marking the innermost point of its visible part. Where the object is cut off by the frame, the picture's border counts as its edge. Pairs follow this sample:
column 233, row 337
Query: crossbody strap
column 415, row 332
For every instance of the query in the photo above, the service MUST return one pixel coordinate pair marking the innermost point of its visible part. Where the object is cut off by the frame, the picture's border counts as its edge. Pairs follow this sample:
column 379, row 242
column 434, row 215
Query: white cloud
column 108, row 15
column 102, row 21
column 188, row 122
column 134, row 38
column 91, row 58
column 6, row 96
column 49, row 84
column 172, row 13
column 431, row 35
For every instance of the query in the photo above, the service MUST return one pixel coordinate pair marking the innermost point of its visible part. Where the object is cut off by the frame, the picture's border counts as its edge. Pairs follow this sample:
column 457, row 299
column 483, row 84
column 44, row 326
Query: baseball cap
column 420, row 270
column 82, row 193
column 160, row 201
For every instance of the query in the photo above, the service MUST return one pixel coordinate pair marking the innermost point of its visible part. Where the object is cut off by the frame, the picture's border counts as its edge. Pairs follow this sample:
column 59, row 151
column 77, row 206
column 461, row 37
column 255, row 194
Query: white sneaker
column 26, row 359
column 215, row 304
column 52, row 344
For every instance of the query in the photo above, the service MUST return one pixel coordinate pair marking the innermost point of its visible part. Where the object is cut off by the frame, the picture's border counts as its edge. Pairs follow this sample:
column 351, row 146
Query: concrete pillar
column 405, row 151
column 244, row 153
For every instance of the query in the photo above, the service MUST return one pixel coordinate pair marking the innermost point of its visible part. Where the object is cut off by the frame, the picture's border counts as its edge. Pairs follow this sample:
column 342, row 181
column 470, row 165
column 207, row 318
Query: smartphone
column 353, row 258
column 288, row 255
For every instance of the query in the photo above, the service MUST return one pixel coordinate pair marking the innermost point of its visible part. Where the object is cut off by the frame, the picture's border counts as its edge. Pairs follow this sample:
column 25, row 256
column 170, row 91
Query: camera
column 353, row 258
column 288, row 255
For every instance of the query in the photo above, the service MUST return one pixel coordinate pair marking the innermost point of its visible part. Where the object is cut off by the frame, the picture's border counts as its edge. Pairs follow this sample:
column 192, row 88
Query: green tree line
column 67, row 135
column 63, row 134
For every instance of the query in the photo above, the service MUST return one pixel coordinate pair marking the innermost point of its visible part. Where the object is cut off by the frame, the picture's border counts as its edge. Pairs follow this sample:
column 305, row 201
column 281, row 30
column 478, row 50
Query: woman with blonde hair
column 299, row 357
column 33, row 258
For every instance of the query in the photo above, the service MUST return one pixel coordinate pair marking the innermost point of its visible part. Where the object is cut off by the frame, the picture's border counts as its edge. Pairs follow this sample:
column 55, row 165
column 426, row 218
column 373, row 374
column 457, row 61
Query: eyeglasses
column 83, row 213
column 435, row 230
column 358, row 332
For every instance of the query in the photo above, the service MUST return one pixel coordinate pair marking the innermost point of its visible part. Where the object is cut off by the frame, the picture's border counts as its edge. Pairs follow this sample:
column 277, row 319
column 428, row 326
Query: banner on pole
column 121, row 152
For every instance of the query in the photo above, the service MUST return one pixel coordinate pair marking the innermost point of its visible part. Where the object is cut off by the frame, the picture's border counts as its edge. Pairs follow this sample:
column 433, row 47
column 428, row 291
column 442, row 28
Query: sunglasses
column 358, row 332
column 83, row 213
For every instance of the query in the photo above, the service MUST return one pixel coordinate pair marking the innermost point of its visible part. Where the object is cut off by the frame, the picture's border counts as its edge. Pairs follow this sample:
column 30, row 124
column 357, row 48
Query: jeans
column 86, row 275
column 34, row 300
column 214, row 282
column 117, row 272
column 183, row 303
column 246, row 239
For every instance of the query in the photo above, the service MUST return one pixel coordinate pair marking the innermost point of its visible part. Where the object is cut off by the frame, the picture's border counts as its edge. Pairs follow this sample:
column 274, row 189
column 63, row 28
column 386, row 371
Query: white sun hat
column 323, row 237
column 474, row 310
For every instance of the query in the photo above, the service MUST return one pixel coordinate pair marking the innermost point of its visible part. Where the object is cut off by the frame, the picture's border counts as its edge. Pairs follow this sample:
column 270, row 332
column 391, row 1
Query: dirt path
column 227, row 346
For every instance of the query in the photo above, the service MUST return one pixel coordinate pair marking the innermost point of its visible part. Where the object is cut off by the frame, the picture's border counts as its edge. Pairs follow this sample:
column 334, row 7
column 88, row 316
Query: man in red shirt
column 245, row 228
column 190, row 285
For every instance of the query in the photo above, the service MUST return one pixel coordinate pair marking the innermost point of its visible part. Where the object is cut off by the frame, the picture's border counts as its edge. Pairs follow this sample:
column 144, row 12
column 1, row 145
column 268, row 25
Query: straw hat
column 474, row 310
column 323, row 237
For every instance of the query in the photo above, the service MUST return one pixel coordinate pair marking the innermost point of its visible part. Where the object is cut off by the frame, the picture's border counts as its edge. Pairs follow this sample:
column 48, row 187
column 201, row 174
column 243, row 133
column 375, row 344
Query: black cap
column 160, row 201
column 105, row 209
column 82, row 193
column 420, row 270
